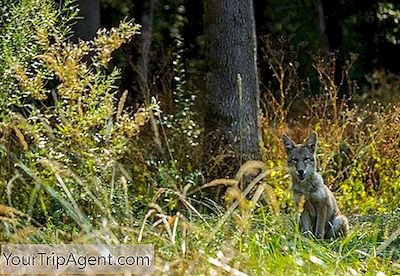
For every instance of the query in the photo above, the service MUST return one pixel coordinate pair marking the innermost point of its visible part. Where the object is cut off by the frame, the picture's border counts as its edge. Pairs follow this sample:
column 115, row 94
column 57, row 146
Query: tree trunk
column 87, row 27
column 321, row 26
column 232, row 124
column 144, row 61
column 146, row 39
column 138, row 52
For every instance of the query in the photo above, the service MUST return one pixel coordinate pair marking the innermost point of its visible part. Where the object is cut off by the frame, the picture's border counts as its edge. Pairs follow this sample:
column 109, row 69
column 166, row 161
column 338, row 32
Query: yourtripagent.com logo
column 76, row 259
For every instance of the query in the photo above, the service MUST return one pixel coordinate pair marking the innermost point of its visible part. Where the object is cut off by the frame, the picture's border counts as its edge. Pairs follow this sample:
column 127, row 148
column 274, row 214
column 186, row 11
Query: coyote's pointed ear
column 288, row 143
column 311, row 141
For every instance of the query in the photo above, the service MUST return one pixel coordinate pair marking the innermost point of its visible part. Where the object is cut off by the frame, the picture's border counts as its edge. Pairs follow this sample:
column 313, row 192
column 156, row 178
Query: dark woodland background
column 342, row 27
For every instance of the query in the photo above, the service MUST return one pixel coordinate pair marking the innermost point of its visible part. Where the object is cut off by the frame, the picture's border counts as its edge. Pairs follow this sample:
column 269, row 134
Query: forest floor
column 266, row 244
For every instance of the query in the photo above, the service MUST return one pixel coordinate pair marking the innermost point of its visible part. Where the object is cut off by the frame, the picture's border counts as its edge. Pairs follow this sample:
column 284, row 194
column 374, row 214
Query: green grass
column 259, row 244
column 272, row 245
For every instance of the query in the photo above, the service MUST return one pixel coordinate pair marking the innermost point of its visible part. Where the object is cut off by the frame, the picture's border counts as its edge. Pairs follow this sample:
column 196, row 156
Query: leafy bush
column 62, row 129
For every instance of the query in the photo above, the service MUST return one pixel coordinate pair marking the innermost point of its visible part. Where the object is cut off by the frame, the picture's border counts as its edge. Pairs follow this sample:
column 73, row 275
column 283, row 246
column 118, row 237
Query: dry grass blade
column 225, row 267
column 258, row 193
column 175, row 227
column 157, row 208
column 146, row 217
column 183, row 245
column 386, row 243
column 236, row 203
column 271, row 198
column 156, row 223
column 214, row 183
column 235, row 194
column 252, row 184
column 167, row 227
column 163, row 218
column 9, row 187
column 190, row 206
column 251, row 167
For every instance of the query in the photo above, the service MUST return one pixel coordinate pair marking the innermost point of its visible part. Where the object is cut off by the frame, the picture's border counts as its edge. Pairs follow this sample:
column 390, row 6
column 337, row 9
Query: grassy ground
column 261, row 244
column 271, row 244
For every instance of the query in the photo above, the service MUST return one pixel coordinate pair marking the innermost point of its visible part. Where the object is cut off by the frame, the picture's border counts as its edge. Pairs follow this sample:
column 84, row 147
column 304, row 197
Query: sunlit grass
column 270, row 244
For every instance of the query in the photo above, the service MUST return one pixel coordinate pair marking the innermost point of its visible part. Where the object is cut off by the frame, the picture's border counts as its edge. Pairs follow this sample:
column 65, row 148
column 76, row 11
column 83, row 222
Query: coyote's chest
column 312, row 196
column 312, row 190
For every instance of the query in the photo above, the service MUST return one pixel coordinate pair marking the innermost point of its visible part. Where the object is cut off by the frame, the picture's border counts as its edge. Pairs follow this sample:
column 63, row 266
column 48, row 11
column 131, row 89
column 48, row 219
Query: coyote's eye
column 294, row 160
column 307, row 159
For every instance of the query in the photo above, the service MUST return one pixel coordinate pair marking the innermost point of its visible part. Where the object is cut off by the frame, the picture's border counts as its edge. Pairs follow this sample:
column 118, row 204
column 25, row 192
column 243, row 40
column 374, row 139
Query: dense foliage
column 62, row 129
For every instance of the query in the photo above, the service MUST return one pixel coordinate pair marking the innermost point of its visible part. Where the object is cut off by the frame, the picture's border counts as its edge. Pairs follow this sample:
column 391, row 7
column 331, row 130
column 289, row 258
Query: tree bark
column 146, row 39
column 321, row 27
column 232, row 124
column 144, row 61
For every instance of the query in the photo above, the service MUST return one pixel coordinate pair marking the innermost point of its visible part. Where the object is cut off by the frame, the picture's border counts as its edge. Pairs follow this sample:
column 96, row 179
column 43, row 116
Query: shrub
column 62, row 130
column 357, row 149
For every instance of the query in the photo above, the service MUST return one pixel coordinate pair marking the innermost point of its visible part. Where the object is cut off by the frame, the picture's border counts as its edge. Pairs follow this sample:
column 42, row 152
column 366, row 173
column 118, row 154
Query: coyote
column 320, row 216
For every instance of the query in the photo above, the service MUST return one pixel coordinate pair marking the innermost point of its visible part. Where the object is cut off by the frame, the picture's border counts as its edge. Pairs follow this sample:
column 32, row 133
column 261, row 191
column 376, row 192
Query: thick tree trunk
column 87, row 27
column 232, row 124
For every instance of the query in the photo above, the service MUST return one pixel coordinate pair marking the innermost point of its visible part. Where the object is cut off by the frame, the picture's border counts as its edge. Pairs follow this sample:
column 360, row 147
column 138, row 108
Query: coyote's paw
column 319, row 234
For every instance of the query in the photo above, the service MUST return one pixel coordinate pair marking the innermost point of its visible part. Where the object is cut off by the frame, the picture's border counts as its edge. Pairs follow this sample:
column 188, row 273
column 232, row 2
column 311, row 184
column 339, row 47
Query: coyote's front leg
column 321, row 220
column 305, row 222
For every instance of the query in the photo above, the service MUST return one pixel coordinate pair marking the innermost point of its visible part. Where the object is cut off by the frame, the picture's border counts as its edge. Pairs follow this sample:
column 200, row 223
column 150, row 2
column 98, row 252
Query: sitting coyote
column 321, row 215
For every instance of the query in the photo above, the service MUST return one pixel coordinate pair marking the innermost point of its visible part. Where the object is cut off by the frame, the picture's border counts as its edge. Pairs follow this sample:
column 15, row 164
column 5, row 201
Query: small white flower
column 316, row 260
column 299, row 262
